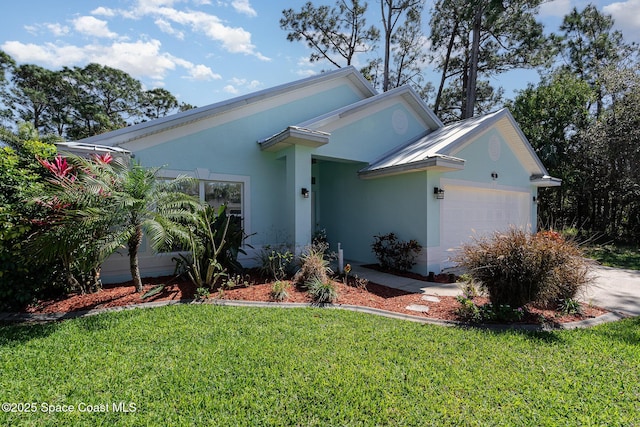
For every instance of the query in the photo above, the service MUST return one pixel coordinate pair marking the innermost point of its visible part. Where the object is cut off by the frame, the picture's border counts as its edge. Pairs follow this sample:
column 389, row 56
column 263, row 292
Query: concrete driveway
column 615, row 289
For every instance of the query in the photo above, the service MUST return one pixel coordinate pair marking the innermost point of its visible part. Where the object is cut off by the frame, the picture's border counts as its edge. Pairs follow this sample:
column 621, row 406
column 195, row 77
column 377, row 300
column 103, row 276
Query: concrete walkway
column 615, row 289
column 404, row 283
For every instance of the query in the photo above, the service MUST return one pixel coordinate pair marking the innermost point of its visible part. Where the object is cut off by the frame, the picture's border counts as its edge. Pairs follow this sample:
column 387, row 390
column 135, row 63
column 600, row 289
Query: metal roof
column 446, row 142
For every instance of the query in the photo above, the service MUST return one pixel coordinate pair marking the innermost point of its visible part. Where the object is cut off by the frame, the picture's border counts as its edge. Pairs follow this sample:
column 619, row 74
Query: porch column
column 298, row 206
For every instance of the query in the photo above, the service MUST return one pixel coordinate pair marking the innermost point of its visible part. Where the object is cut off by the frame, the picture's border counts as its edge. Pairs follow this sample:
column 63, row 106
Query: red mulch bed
column 374, row 295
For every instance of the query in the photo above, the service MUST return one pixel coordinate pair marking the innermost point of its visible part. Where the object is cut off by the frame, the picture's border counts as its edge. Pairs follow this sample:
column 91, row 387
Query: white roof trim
column 80, row 146
column 406, row 92
column 141, row 130
column 545, row 181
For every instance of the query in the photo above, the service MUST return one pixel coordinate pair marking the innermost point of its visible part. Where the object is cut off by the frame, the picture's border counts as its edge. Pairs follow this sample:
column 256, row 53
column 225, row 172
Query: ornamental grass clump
column 322, row 292
column 517, row 268
column 314, row 264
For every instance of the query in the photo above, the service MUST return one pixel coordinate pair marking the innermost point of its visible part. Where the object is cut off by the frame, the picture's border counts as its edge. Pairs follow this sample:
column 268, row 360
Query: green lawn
column 229, row 366
column 616, row 256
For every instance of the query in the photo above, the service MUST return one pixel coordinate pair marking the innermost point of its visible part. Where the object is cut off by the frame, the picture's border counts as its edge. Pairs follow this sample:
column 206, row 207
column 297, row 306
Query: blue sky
column 204, row 51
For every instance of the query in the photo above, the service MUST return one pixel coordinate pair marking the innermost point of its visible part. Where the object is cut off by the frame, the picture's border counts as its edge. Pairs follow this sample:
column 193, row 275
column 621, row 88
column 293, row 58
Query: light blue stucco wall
column 480, row 165
column 231, row 148
column 367, row 139
column 353, row 210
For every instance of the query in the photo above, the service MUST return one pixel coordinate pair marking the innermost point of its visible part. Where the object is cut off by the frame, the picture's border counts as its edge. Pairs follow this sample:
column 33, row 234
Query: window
column 217, row 189
column 218, row 193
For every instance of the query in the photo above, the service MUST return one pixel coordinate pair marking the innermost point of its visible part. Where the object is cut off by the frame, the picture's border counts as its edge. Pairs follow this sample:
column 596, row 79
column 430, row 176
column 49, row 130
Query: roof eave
column 545, row 181
column 435, row 163
column 294, row 135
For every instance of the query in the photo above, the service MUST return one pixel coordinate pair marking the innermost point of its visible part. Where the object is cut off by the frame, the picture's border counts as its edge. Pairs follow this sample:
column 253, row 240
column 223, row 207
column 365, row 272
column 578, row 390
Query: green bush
column 322, row 292
column 517, row 268
column 395, row 254
column 275, row 263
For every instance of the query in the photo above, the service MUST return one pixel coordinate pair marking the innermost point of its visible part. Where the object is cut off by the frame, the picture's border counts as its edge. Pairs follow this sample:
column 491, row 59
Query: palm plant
column 104, row 204
column 145, row 205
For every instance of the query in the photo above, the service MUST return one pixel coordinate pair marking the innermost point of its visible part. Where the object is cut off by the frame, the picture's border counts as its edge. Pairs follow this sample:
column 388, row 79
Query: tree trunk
column 445, row 68
column 473, row 66
column 387, row 22
column 134, row 246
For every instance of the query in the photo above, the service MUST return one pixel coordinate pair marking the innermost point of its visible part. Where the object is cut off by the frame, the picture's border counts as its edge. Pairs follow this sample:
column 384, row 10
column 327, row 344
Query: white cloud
column 104, row 11
column 230, row 89
column 202, row 73
column 627, row 17
column 57, row 29
column 234, row 40
column 141, row 59
column 49, row 53
column 166, row 27
column 243, row 6
column 93, row 27
column 558, row 8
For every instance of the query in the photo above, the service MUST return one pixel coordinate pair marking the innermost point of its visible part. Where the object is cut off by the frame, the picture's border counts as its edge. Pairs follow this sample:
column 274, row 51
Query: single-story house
column 329, row 152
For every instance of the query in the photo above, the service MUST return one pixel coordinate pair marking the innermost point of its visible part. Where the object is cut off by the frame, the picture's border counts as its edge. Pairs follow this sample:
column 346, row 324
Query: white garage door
column 470, row 211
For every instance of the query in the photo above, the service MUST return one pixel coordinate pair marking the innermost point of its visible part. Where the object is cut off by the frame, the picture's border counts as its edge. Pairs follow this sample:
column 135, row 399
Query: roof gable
column 360, row 114
column 439, row 148
column 240, row 105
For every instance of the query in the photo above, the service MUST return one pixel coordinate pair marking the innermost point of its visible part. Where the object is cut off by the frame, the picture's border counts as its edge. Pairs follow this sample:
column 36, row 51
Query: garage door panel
column 470, row 211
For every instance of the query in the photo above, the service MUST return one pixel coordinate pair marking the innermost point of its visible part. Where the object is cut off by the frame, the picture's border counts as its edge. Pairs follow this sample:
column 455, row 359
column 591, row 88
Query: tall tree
column 391, row 12
column 158, row 102
column 104, row 99
column 484, row 38
column 335, row 34
column 7, row 64
column 588, row 45
column 551, row 114
column 31, row 91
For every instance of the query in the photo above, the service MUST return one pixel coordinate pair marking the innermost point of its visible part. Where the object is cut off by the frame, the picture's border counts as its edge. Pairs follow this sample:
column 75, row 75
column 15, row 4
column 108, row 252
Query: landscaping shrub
column 517, row 268
column 280, row 290
column 394, row 254
column 322, row 292
column 274, row 263
column 314, row 264
column 214, row 241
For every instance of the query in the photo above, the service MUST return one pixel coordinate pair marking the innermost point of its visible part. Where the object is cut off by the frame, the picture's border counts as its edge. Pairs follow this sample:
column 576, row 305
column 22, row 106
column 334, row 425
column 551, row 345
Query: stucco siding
column 354, row 210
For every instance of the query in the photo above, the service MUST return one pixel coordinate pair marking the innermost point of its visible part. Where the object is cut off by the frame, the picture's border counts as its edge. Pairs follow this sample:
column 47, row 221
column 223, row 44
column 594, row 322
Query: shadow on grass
column 12, row 334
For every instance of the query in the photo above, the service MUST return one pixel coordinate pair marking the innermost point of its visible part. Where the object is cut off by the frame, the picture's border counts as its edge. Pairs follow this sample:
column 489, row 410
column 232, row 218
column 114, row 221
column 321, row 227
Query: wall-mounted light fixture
column 494, row 175
column 535, row 199
column 305, row 193
column 438, row 193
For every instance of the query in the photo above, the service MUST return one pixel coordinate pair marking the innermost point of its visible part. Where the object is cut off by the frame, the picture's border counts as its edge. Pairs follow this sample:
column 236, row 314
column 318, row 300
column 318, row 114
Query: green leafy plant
column 570, row 306
column 395, row 254
column 210, row 246
column 280, row 290
column 468, row 310
column 202, row 294
column 322, row 292
column 517, row 268
column 275, row 263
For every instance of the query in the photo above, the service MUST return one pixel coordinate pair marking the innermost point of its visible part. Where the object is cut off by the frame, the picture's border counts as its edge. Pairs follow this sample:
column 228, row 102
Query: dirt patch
column 373, row 295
